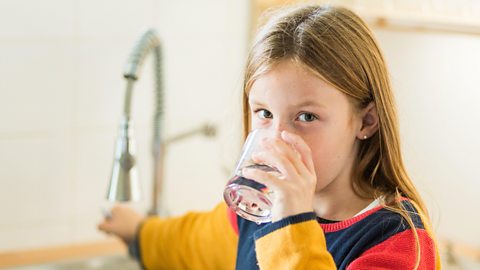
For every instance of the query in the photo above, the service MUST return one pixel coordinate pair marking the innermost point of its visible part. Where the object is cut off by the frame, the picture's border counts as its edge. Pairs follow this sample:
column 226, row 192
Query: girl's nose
column 280, row 126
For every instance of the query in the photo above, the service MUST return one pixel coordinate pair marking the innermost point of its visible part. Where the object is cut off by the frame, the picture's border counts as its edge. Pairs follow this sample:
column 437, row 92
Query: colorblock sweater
column 375, row 239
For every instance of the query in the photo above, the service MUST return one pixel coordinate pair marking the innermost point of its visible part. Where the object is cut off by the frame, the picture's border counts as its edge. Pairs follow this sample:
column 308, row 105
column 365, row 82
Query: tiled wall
column 61, row 94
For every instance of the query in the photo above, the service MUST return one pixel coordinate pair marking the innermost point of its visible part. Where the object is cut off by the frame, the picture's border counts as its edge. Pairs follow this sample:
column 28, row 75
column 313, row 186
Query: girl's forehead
column 292, row 83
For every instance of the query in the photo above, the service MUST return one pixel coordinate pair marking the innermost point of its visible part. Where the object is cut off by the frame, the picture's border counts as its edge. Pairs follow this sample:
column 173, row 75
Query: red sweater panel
column 398, row 253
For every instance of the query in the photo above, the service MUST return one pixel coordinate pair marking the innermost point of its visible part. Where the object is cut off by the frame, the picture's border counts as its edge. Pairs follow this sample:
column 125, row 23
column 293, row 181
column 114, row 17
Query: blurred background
column 62, row 92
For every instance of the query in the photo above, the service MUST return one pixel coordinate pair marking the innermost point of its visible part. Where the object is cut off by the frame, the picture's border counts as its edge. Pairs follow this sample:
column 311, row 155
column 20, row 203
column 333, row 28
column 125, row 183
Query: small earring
column 365, row 137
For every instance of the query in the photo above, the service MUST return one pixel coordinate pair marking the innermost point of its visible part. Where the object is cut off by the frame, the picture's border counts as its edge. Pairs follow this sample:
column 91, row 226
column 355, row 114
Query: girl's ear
column 369, row 122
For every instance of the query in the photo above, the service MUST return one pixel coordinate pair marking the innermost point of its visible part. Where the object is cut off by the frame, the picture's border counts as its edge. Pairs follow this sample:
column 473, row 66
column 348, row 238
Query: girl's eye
column 264, row 113
column 307, row 117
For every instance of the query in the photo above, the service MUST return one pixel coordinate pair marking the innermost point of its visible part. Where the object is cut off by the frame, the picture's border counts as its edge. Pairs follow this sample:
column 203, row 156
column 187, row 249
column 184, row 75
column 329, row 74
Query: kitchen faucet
column 124, row 182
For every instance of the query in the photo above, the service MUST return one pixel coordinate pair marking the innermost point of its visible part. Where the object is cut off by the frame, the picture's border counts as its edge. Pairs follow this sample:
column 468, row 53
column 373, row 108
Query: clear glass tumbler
column 248, row 198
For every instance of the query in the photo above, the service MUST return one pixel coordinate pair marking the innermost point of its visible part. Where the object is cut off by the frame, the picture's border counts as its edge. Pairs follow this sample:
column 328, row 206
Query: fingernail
column 284, row 134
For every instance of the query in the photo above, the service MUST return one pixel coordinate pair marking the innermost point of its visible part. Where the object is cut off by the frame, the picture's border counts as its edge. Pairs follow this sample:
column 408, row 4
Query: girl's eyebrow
column 310, row 103
column 307, row 103
column 251, row 101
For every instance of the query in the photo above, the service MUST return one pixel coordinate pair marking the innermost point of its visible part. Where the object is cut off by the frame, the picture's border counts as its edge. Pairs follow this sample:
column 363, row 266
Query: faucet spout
column 124, row 184
column 124, row 176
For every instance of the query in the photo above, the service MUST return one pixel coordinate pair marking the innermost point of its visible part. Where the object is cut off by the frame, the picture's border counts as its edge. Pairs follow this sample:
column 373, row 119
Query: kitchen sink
column 113, row 262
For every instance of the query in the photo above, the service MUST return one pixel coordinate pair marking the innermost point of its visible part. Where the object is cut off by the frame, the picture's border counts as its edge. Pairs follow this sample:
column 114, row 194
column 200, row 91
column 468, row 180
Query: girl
column 343, row 198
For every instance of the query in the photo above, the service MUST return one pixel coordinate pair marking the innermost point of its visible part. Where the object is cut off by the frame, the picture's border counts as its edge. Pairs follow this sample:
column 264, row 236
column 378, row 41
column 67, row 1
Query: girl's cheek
column 259, row 123
column 320, row 154
column 256, row 124
column 313, row 136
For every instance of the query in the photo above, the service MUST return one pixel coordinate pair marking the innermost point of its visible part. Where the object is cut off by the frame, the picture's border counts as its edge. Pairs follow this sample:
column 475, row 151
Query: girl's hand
column 123, row 223
column 294, row 186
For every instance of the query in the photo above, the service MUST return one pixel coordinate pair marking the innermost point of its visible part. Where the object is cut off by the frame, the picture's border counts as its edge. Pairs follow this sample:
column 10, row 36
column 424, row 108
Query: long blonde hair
column 336, row 45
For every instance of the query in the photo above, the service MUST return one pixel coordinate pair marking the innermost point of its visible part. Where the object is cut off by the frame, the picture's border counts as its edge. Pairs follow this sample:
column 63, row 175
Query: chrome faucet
column 124, row 183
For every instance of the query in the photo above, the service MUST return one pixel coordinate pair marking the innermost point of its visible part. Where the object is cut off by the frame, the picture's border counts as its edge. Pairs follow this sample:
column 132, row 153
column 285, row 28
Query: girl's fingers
column 301, row 147
column 106, row 226
column 295, row 149
column 279, row 162
column 103, row 226
column 280, row 148
column 266, row 178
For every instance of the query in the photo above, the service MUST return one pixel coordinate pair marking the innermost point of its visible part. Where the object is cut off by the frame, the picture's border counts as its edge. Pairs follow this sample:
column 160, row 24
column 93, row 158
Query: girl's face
column 290, row 97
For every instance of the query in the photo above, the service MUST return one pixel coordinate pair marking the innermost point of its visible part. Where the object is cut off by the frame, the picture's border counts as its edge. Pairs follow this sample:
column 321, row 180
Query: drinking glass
column 246, row 197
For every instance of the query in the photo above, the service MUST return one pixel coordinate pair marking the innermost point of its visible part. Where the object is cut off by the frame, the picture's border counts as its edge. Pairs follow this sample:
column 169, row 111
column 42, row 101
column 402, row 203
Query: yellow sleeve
column 197, row 240
column 296, row 246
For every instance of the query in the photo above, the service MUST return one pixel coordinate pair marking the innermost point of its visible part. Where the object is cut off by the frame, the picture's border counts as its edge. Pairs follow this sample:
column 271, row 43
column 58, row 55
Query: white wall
column 437, row 83
column 61, row 92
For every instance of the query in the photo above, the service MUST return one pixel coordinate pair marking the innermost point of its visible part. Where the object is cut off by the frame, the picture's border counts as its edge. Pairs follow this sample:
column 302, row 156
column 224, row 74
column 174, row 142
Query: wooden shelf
column 421, row 23
column 413, row 18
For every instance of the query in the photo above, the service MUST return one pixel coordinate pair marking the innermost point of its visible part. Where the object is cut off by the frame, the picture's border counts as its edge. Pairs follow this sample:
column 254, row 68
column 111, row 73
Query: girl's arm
column 296, row 242
column 197, row 240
